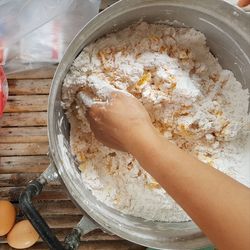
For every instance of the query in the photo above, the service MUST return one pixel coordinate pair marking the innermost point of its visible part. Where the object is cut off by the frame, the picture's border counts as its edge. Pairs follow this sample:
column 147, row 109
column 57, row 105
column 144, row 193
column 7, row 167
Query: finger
column 114, row 94
column 118, row 95
column 85, row 99
column 96, row 112
column 243, row 3
column 98, row 106
column 111, row 98
column 102, row 90
column 94, row 126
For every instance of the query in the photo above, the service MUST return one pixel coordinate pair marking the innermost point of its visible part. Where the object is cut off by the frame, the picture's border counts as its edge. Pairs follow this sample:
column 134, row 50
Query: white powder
column 191, row 100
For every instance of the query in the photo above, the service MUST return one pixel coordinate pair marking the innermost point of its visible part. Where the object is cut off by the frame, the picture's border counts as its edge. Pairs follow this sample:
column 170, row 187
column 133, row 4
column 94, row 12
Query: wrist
column 143, row 141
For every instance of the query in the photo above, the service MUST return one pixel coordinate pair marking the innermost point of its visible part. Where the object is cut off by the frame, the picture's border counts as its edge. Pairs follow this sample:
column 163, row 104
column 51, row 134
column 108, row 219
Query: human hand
column 121, row 122
column 243, row 3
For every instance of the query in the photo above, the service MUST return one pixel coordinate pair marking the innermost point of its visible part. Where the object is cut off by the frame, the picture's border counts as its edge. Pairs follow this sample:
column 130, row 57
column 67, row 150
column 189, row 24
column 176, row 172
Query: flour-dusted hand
column 120, row 122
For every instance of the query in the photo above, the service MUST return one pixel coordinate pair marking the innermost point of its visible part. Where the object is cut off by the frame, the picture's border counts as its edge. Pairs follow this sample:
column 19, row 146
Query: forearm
column 217, row 203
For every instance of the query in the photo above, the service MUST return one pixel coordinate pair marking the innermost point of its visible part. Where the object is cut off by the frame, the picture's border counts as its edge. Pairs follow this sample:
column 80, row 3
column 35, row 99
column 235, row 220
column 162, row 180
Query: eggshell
column 7, row 217
column 22, row 235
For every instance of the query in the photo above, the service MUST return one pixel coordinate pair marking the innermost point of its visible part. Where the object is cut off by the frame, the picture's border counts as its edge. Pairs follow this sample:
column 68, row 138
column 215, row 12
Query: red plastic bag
column 3, row 90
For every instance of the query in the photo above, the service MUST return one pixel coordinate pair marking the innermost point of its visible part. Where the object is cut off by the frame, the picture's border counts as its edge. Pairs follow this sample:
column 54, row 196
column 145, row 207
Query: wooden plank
column 10, row 193
column 52, row 207
column 20, row 164
column 106, row 3
column 96, row 245
column 95, row 235
column 61, row 233
column 42, row 73
column 27, row 134
column 26, row 103
column 24, row 119
column 98, row 234
column 39, row 148
column 65, row 221
column 49, row 193
column 16, row 180
column 20, row 179
column 110, row 245
column 57, row 208
column 29, row 86
column 53, row 195
column 59, row 221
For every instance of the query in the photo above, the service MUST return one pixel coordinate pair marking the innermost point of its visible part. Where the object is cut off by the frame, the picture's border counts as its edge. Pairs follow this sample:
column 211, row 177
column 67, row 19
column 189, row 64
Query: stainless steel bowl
column 227, row 29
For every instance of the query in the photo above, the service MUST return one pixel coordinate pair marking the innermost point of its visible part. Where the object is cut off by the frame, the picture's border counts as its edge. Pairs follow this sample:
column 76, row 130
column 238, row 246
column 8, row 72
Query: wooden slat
column 27, row 134
column 59, row 221
column 106, row 3
column 20, row 179
column 110, row 245
column 20, row 164
column 57, row 208
column 26, row 103
column 29, row 86
column 61, row 233
column 16, row 180
column 48, row 193
column 65, row 221
column 24, row 119
column 42, row 73
column 10, row 193
column 98, row 235
column 54, row 207
column 96, row 245
column 53, row 194
column 39, row 148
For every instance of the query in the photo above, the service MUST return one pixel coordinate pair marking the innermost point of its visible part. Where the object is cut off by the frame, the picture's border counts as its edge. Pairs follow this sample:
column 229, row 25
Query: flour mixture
column 191, row 100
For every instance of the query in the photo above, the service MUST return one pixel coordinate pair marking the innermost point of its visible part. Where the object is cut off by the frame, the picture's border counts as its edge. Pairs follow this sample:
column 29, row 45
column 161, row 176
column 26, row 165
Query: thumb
column 85, row 99
column 96, row 110
column 88, row 101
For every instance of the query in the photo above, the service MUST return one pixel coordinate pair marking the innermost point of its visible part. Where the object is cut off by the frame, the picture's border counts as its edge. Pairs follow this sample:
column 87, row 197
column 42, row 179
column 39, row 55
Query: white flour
column 191, row 100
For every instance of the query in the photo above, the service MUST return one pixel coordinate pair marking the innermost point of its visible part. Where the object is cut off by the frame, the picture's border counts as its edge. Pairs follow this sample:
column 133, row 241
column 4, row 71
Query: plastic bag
column 3, row 90
column 41, row 30
column 20, row 17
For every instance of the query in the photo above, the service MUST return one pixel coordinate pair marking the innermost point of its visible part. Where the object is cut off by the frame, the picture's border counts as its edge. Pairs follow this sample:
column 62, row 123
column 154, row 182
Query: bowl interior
column 219, row 22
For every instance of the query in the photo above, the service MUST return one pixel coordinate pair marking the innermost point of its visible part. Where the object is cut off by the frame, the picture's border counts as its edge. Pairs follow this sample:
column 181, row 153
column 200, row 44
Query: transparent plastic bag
column 20, row 17
column 44, row 29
